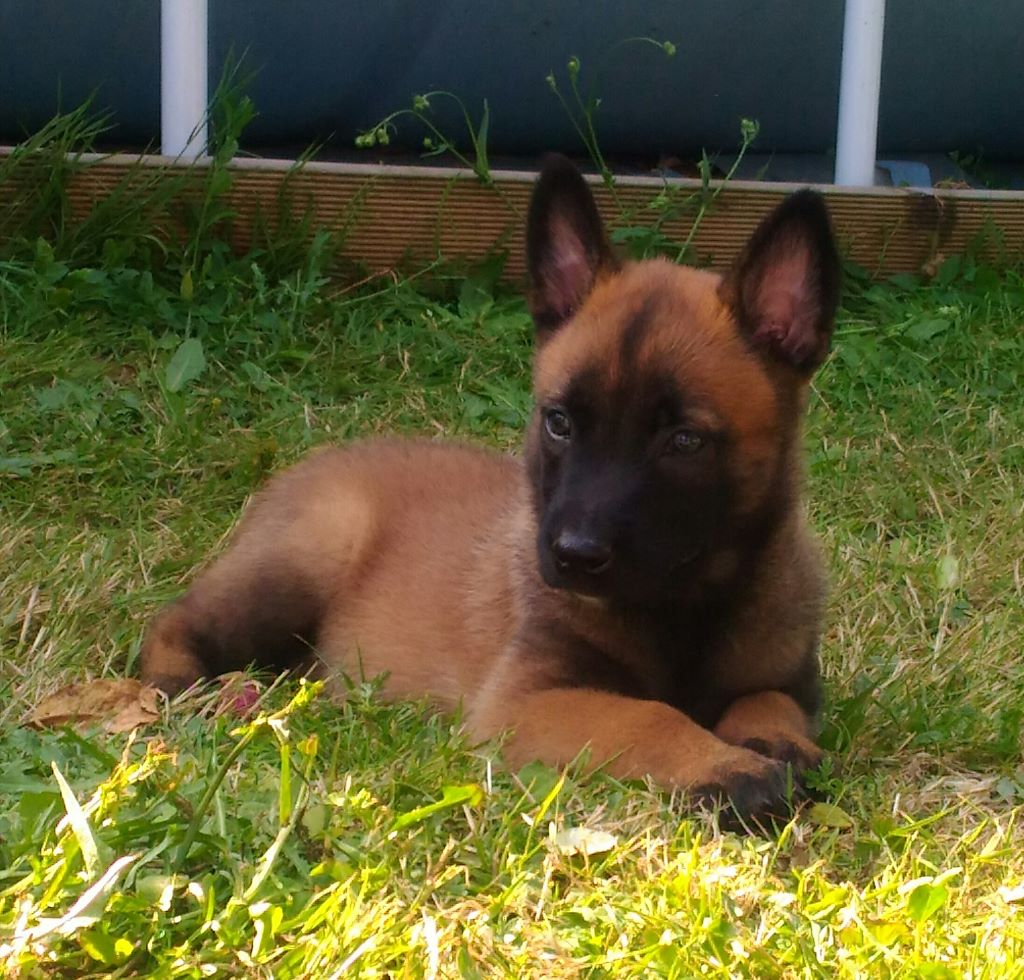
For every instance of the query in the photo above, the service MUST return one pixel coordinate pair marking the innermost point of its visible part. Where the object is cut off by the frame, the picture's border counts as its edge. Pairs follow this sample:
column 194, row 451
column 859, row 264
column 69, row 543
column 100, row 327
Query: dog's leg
column 246, row 609
column 170, row 657
column 263, row 601
column 630, row 738
column 256, row 604
column 773, row 724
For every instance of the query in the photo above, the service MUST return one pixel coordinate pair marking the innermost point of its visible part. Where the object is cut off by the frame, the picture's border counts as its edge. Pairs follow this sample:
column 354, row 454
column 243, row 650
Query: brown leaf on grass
column 115, row 705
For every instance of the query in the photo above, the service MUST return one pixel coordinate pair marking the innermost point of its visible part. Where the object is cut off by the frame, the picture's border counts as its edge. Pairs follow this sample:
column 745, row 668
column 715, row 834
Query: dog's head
column 668, row 399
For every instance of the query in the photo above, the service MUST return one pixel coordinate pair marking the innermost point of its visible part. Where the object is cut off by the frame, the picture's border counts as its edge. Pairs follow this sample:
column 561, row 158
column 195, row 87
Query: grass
column 140, row 406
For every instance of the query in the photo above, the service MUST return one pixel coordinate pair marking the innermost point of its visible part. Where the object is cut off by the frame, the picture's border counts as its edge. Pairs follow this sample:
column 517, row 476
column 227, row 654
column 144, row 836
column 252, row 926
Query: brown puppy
column 642, row 585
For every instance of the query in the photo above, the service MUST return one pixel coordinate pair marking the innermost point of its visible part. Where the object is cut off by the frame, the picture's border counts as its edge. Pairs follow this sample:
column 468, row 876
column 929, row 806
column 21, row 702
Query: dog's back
column 381, row 557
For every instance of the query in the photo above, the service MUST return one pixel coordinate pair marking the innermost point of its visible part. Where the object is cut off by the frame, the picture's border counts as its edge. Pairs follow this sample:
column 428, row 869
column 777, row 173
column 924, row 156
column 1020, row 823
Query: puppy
column 641, row 584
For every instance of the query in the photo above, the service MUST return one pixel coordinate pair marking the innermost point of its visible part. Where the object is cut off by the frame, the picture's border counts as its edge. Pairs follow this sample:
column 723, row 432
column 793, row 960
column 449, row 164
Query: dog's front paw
column 750, row 787
column 800, row 753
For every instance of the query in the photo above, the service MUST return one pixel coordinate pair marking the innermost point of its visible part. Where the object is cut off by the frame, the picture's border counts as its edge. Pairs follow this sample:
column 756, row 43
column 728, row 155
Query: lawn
column 319, row 839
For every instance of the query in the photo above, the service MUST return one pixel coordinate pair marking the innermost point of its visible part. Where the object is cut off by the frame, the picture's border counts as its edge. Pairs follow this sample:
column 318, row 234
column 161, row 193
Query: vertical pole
column 859, row 87
column 183, row 77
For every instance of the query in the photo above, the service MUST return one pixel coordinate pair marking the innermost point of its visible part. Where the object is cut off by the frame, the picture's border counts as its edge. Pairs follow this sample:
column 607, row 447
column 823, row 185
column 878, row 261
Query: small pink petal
column 239, row 694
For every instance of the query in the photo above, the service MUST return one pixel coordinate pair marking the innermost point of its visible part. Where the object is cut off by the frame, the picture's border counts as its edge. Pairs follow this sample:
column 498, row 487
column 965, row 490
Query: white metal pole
column 183, row 77
column 859, row 87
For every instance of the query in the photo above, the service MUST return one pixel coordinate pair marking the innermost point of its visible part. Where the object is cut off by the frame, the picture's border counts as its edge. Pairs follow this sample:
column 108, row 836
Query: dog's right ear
column 566, row 247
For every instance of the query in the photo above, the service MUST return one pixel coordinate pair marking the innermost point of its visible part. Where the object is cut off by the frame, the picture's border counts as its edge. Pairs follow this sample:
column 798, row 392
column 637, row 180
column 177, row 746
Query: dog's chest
column 679, row 661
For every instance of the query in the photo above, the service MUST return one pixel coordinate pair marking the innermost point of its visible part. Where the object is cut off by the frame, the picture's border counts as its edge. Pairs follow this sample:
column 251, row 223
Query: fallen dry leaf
column 583, row 840
column 830, row 815
column 1012, row 896
column 113, row 704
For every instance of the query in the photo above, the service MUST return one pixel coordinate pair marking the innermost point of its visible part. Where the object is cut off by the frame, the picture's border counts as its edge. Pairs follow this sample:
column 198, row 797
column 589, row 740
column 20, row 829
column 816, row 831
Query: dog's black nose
column 576, row 552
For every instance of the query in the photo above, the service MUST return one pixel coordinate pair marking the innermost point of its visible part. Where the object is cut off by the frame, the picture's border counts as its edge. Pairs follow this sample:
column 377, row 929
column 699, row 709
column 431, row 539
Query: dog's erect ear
column 784, row 287
column 566, row 247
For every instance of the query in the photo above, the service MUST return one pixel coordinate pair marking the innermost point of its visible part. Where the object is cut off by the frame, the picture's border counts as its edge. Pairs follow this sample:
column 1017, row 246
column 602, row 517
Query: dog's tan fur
column 417, row 560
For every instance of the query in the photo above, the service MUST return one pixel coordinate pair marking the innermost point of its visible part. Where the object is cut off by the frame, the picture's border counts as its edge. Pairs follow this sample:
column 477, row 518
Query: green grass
column 317, row 848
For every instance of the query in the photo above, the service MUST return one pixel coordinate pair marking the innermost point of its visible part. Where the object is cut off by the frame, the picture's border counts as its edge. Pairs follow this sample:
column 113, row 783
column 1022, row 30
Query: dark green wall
column 953, row 72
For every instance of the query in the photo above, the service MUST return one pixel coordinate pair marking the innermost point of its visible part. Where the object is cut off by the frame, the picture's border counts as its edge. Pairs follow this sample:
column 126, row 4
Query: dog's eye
column 685, row 442
column 558, row 424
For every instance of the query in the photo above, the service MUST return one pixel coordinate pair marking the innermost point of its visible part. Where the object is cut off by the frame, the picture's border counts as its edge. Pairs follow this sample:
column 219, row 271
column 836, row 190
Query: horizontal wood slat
column 399, row 213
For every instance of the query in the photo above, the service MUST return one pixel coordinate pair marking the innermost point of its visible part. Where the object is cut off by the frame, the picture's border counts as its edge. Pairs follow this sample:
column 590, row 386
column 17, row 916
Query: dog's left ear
column 566, row 247
column 784, row 288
